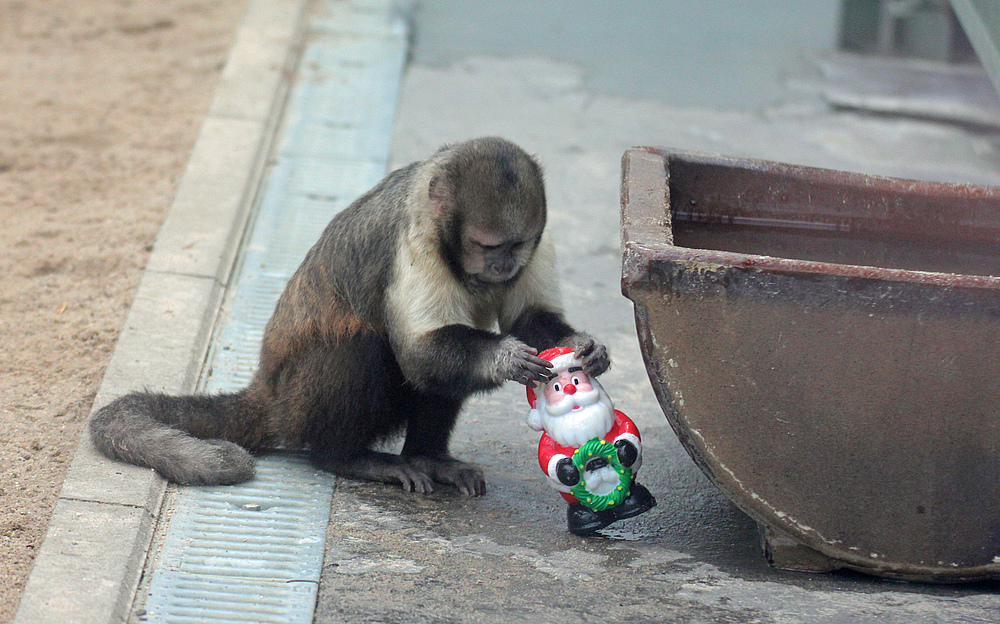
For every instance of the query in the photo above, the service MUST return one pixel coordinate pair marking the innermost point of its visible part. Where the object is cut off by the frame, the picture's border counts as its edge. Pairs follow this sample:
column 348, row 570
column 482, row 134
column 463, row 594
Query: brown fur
column 436, row 284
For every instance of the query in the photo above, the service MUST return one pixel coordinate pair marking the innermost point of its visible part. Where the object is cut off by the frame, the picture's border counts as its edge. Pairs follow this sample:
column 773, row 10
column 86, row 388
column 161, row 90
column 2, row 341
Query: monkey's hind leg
column 426, row 448
column 347, row 394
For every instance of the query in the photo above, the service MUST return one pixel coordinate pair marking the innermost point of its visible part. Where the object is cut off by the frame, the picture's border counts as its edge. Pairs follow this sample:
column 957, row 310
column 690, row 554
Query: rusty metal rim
column 848, row 179
column 644, row 226
column 660, row 252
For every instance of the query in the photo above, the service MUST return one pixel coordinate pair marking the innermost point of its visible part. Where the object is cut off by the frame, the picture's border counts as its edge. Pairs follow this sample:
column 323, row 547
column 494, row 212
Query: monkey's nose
column 569, row 389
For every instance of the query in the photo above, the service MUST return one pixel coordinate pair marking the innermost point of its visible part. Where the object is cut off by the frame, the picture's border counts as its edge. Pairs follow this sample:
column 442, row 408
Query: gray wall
column 693, row 53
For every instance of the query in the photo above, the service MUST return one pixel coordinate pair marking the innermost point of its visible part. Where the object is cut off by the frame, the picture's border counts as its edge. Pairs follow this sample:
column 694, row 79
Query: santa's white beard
column 574, row 428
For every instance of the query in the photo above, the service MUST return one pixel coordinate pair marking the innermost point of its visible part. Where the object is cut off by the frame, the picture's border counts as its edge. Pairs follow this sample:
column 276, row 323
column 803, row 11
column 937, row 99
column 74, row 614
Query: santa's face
column 575, row 409
column 569, row 390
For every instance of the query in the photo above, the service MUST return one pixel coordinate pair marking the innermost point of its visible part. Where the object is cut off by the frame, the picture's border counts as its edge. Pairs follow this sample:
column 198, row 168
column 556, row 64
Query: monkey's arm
column 543, row 329
column 459, row 360
column 533, row 313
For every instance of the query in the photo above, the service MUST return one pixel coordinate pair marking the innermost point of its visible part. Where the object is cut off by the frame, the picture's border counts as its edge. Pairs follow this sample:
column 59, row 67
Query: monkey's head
column 488, row 201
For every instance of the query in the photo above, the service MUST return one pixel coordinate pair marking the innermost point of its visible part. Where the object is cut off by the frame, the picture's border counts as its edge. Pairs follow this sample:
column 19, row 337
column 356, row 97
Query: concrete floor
column 394, row 557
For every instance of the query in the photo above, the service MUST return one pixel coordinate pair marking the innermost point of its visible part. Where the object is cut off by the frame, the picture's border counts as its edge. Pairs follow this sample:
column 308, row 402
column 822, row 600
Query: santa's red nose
column 569, row 389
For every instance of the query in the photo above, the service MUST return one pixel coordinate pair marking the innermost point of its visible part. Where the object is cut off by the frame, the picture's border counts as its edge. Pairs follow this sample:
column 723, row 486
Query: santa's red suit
column 550, row 452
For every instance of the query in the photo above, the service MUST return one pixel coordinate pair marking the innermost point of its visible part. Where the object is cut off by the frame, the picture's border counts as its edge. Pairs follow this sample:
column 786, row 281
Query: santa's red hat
column 562, row 358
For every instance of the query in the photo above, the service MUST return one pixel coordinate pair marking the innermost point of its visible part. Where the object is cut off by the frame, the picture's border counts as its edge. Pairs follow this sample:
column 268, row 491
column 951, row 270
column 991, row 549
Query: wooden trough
column 826, row 345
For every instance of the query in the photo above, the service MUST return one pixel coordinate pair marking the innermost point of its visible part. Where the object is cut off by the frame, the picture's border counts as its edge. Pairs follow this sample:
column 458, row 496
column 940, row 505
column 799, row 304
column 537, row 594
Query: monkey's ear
column 439, row 192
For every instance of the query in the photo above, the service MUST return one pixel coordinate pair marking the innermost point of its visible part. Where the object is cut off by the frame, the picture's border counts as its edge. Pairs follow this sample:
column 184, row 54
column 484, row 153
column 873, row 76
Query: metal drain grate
column 254, row 552
column 245, row 553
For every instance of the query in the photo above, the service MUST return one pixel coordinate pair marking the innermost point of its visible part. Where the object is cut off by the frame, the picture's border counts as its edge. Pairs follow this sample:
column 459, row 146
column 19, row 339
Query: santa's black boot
column 582, row 521
column 639, row 500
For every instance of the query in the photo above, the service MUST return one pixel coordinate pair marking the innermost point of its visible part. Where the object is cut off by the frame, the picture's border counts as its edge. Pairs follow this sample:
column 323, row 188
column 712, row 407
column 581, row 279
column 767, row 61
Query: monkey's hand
column 518, row 362
column 594, row 355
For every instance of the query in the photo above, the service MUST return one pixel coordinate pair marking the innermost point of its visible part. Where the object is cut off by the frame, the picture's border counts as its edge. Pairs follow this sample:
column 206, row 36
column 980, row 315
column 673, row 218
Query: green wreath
column 596, row 449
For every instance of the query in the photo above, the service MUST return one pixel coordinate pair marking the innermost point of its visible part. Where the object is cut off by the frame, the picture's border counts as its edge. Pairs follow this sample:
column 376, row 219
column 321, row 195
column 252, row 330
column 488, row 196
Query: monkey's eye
column 556, row 387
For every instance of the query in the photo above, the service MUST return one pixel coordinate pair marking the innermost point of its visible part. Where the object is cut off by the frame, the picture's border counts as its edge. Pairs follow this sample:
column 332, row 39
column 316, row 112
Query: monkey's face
column 492, row 259
column 499, row 236
column 489, row 203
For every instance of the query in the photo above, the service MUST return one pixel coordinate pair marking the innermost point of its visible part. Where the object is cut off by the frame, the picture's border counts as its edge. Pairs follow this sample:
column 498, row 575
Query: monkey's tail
column 190, row 440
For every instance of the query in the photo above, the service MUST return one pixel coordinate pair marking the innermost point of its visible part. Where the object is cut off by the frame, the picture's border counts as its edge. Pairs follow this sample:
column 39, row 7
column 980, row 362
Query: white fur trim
column 563, row 362
column 638, row 445
column 534, row 419
column 551, row 471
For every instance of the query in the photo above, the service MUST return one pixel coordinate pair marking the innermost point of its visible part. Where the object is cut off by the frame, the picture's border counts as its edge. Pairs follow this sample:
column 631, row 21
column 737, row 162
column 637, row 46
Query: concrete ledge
column 200, row 235
column 90, row 563
column 258, row 62
column 91, row 552
column 161, row 348
column 165, row 336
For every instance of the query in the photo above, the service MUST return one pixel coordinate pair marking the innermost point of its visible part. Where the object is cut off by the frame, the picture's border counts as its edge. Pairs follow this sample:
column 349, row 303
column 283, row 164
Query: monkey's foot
column 414, row 480
column 468, row 478
column 383, row 467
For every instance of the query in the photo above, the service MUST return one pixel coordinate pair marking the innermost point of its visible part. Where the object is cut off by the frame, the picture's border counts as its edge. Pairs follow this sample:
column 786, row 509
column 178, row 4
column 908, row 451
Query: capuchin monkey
column 435, row 285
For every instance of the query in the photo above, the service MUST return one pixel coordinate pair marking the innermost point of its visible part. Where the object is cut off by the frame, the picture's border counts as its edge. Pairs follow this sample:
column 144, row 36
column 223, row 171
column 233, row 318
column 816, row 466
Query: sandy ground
column 100, row 104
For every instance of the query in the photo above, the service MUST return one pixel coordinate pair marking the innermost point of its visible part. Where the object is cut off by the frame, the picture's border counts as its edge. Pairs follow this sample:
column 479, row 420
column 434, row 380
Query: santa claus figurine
column 589, row 450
